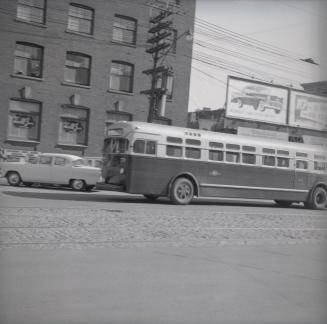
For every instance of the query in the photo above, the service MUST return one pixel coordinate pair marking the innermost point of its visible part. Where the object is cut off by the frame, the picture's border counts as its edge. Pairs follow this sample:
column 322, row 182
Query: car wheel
column 77, row 184
column 283, row 203
column 318, row 199
column 14, row 179
column 182, row 191
column 151, row 197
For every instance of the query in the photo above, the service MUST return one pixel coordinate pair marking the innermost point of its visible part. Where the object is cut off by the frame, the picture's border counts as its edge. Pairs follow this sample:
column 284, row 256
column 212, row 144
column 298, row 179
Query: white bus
column 180, row 163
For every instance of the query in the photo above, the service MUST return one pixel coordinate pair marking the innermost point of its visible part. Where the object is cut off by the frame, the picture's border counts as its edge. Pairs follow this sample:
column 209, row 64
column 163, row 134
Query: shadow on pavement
column 89, row 196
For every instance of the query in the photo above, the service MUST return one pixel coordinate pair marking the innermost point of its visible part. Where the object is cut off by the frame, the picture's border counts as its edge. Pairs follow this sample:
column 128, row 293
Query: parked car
column 96, row 161
column 50, row 168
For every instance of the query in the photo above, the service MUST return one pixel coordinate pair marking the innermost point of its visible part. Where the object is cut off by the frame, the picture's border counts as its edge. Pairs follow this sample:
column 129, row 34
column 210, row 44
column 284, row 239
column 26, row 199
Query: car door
column 61, row 170
column 42, row 170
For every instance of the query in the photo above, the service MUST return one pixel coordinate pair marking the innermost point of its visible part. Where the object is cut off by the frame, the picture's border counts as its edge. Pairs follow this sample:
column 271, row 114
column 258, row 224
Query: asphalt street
column 103, row 257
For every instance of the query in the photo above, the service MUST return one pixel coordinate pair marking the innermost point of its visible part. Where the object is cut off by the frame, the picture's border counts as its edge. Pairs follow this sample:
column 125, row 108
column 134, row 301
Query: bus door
column 302, row 174
column 114, row 160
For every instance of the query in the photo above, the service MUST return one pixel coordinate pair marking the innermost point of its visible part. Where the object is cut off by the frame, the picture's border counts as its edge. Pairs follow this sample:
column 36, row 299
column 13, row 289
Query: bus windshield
column 115, row 145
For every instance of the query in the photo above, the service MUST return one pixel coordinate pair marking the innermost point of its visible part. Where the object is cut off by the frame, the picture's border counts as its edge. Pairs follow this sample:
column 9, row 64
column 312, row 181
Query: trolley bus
column 180, row 163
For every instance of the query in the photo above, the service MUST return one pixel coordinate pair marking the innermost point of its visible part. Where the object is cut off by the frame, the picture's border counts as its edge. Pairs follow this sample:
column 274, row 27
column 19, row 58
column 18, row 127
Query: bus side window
column 139, row 146
column 319, row 165
column 268, row 160
column 300, row 164
column 233, row 157
column 192, row 153
column 216, row 155
column 248, row 158
column 145, row 147
column 283, row 162
column 172, row 150
column 150, row 147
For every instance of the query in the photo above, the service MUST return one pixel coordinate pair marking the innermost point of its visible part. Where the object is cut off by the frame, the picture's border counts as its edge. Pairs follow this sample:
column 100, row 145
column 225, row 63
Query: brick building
column 69, row 69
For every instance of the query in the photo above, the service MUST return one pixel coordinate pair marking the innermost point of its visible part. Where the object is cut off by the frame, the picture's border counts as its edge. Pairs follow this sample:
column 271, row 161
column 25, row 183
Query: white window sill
column 22, row 141
column 121, row 92
column 31, row 23
column 70, row 84
column 78, row 33
column 72, row 145
column 20, row 76
column 123, row 44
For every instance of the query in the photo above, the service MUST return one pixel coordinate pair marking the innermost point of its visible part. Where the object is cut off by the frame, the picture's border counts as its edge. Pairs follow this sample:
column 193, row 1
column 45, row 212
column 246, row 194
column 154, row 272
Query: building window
column 31, row 10
column 80, row 19
column 24, row 120
column 73, row 126
column 124, row 30
column 77, row 68
column 28, row 60
column 121, row 76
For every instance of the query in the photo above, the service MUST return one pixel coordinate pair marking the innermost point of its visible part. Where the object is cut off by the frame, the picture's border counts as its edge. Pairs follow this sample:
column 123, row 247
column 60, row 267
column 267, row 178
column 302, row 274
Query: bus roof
column 164, row 130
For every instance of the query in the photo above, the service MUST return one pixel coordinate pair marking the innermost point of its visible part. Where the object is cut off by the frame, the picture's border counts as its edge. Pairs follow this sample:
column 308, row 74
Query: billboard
column 256, row 101
column 308, row 111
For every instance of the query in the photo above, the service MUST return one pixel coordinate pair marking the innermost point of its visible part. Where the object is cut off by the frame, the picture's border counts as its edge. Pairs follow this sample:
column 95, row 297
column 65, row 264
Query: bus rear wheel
column 182, row 191
column 283, row 203
column 318, row 199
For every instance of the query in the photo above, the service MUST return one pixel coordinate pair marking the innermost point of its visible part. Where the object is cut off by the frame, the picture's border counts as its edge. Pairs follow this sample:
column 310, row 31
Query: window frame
column 70, row 67
column 146, row 142
column 133, row 31
column 40, row 60
column 130, row 76
column 77, row 5
column 33, row 6
column 85, row 120
column 194, row 149
column 39, row 114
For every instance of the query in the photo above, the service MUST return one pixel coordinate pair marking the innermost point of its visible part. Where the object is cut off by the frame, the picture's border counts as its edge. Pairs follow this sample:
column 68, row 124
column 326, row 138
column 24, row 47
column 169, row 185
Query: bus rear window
column 216, row 155
column 192, row 153
column 174, row 150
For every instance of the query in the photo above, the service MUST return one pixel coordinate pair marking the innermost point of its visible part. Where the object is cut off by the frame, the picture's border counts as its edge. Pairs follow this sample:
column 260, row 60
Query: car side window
column 59, row 161
column 45, row 160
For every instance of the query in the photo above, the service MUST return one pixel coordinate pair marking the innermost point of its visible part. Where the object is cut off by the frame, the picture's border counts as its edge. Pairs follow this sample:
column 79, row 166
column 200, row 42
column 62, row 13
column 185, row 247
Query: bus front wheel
column 182, row 191
column 318, row 199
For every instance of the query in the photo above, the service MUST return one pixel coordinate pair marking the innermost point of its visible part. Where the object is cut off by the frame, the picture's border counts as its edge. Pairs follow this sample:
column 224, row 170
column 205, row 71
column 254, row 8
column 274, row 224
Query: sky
column 280, row 34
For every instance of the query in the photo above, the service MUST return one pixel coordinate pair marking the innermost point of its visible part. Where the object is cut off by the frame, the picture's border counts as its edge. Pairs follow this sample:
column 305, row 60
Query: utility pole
column 160, row 26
